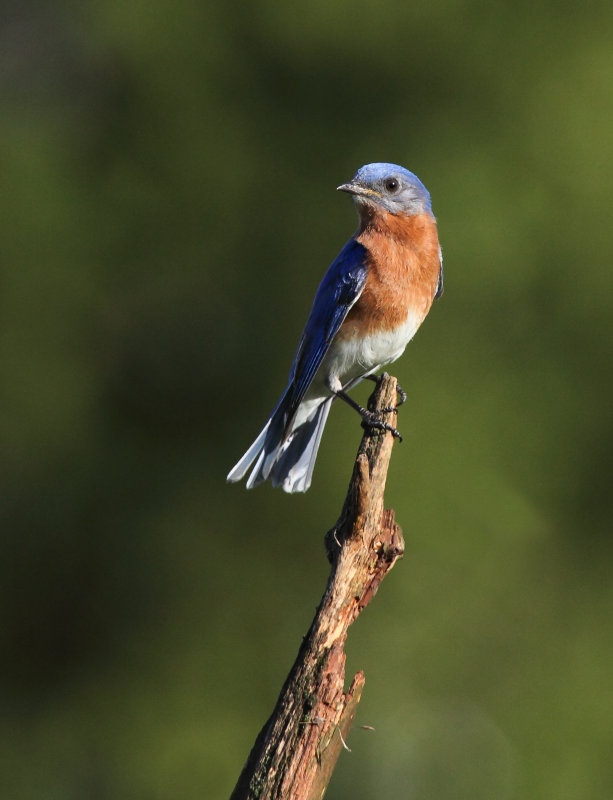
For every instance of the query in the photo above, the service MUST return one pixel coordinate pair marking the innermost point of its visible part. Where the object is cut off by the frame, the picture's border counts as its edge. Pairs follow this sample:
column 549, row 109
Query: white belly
column 349, row 360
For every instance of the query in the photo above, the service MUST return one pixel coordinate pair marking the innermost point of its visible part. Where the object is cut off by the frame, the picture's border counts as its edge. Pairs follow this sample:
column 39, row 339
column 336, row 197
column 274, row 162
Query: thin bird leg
column 402, row 395
column 370, row 419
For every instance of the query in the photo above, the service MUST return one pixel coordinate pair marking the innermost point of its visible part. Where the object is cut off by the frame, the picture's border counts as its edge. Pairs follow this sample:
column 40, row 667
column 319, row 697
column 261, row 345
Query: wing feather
column 340, row 288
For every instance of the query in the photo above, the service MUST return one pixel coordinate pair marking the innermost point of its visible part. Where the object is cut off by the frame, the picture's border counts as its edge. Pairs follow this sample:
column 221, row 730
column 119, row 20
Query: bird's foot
column 371, row 420
column 402, row 395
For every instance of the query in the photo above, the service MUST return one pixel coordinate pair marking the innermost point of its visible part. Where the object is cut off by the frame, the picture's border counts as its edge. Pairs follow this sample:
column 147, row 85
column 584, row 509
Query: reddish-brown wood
column 296, row 751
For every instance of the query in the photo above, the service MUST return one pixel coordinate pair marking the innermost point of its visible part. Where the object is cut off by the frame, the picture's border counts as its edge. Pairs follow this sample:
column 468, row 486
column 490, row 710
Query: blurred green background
column 168, row 209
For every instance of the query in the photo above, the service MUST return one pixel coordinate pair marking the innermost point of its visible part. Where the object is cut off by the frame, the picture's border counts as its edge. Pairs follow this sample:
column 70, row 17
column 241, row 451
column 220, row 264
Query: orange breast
column 404, row 263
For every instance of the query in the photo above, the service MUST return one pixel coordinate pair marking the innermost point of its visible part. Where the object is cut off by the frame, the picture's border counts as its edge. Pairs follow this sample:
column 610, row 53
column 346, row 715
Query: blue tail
column 287, row 460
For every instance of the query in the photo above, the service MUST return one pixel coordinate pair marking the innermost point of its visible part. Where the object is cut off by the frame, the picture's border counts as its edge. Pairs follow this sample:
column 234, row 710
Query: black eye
column 391, row 184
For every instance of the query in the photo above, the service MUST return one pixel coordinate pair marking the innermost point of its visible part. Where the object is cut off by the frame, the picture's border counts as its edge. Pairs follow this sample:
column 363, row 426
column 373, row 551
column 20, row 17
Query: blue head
column 389, row 186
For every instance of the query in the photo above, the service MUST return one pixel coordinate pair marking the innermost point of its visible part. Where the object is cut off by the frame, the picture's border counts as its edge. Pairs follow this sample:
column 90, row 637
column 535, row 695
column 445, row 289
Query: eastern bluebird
column 368, row 307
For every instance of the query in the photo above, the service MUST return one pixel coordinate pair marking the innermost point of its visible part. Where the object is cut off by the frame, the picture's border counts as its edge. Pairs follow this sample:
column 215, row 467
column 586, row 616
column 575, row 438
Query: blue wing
column 284, row 454
column 340, row 288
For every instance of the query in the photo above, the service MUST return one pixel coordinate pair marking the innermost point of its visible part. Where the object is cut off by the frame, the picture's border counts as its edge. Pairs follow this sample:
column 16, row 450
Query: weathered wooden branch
column 296, row 751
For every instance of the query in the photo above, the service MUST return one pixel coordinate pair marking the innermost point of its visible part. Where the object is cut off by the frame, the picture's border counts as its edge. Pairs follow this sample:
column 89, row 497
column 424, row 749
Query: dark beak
column 356, row 189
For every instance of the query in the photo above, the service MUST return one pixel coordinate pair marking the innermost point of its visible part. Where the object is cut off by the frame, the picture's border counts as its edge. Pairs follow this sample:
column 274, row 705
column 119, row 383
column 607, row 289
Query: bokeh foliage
column 168, row 209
